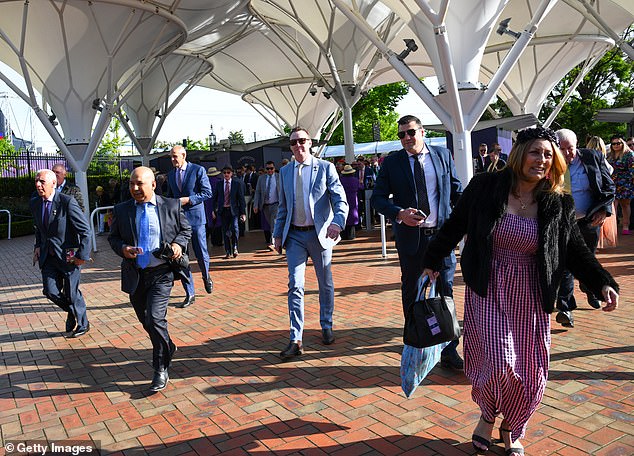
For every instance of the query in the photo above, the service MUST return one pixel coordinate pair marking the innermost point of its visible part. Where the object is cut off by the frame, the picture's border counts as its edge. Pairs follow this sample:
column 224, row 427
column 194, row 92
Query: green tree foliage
column 106, row 159
column 236, row 137
column 7, row 155
column 377, row 107
column 610, row 84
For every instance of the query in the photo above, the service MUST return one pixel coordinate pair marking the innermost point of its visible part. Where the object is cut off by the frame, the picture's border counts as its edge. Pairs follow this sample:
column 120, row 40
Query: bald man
column 139, row 227
column 62, row 245
column 189, row 183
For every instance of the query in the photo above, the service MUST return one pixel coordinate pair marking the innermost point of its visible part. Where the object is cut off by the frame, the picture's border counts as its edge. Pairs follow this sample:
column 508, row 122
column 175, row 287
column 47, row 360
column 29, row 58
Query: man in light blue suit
column 189, row 182
column 312, row 212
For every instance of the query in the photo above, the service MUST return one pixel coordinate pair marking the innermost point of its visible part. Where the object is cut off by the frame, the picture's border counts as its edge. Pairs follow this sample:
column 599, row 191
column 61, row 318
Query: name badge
column 433, row 325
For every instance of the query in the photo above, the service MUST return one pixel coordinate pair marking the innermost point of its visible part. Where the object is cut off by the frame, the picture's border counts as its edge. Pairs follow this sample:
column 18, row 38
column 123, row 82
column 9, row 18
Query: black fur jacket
column 561, row 245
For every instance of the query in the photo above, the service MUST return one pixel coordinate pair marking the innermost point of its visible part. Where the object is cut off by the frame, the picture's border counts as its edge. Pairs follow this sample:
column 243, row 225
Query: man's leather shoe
column 565, row 319
column 451, row 360
column 209, row 285
column 71, row 323
column 294, row 349
column 159, row 381
column 594, row 303
column 189, row 300
column 80, row 331
column 235, row 253
column 227, row 256
column 327, row 336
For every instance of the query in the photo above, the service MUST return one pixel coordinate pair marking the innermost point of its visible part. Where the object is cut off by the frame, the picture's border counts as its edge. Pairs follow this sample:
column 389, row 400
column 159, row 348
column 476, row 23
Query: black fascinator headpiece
column 529, row 134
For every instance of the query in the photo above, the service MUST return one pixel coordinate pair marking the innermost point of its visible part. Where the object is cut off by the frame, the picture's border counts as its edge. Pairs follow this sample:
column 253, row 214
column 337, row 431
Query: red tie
column 227, row 191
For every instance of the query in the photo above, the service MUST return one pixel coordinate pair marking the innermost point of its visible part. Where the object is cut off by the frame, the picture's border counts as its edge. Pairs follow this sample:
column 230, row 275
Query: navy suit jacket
column 601, row 184
column 196, row 187
column 396, row 177
column 67, row 228
column 174, row 228
column 236, row 198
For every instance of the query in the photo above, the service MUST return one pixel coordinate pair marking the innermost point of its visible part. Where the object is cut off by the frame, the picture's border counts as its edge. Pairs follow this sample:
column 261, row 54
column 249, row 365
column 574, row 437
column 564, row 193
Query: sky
column 191, row 118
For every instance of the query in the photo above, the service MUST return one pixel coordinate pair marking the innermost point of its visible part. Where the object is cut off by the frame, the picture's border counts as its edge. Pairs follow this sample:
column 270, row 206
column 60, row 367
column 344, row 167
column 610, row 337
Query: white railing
column 9, row 226
column 92, row 224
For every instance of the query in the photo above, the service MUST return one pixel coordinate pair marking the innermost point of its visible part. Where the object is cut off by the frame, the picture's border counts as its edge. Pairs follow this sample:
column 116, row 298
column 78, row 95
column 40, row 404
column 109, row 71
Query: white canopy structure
column 295, row 62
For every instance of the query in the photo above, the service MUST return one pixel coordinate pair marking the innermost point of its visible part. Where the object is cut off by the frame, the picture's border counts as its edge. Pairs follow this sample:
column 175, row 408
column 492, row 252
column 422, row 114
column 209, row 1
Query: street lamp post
column 212, row 138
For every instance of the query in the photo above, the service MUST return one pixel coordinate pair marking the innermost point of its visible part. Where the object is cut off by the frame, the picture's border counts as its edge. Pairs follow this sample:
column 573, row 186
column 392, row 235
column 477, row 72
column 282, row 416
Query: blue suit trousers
column 299, row 246
column 199, row 244
column 62, row 287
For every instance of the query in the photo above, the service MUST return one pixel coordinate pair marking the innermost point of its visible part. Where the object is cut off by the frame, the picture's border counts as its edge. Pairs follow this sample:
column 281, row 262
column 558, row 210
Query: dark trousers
column 411, row 263
column 61, row 286
column 150, row 304
column 566, row 301
column 230, row 230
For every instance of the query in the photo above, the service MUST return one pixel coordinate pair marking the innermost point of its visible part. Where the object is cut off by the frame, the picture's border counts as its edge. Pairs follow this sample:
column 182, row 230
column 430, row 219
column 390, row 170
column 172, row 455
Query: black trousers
column 150, row 304
column 411, row 263
column 565, row 297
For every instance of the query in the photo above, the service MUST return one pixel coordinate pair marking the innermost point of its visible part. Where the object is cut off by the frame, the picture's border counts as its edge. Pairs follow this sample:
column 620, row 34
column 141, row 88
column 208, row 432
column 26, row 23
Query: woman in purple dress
column 521, row 235
column 351, row 185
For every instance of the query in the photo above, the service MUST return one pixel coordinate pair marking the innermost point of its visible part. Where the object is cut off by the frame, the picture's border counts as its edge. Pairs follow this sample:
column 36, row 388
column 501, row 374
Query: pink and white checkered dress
column 507, row 334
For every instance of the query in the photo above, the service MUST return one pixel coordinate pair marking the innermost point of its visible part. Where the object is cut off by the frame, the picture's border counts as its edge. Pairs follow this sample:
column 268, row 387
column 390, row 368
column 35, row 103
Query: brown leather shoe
column 294, row 349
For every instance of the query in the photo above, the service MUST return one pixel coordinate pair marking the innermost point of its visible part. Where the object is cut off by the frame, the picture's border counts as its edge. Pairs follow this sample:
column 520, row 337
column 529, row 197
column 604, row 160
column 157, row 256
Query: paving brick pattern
column 230, row 394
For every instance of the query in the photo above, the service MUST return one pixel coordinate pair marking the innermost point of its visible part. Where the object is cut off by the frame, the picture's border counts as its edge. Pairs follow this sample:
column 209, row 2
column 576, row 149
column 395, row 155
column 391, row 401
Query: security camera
column 313, row 91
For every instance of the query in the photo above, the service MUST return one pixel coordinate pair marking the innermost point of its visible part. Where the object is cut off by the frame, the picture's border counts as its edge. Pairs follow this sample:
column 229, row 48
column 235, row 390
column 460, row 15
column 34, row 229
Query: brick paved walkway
column 229, row 394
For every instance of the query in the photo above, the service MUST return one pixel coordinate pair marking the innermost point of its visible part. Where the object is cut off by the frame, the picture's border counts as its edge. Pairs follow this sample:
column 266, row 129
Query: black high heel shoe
column 509, row 451
column 475, row 438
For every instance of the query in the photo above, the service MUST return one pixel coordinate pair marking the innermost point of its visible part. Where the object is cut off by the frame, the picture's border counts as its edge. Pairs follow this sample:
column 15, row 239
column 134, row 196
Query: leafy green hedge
column 19, row 228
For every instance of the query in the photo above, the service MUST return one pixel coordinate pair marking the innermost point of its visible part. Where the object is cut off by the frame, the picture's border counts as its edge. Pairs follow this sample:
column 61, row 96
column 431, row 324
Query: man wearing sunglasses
column 424, row 185
column 267, row 201
column 312, row 212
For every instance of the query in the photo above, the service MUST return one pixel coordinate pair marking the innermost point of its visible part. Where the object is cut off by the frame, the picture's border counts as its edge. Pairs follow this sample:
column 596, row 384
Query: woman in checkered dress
column 520, row 236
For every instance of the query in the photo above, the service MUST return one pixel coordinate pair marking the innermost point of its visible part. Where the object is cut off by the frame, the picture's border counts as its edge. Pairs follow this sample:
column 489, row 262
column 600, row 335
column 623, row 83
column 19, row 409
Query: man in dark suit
column 592, row 188
column 228, row 204
column 423, row 181
column 140, row 228
column 189, row 183
column 66, row 187
column 480, row 160
column 62, row 245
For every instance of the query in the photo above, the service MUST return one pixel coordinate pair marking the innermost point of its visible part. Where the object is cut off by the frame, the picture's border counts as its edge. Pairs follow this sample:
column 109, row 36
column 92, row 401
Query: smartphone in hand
column 137, row 250
column 421, row 214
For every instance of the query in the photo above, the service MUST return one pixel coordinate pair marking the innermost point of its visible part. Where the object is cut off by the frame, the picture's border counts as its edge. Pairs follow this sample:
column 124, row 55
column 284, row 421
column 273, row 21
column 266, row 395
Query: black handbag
column 432, row 320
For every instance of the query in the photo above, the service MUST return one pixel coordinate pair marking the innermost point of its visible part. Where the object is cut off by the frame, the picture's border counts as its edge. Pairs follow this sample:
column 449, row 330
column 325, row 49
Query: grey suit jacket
column 260, row 189
column 67, row 228
column 327, row 201
column 174, row 228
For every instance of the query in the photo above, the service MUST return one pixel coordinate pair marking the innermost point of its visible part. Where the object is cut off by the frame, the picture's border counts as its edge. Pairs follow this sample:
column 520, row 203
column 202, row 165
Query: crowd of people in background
column 532, row 220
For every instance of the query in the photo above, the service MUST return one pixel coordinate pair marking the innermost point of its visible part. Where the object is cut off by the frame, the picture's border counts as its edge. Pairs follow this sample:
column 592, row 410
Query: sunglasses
column 226, row 172
column 270, row 169
column 301, row 141
column 411, row 132
column 615, row 144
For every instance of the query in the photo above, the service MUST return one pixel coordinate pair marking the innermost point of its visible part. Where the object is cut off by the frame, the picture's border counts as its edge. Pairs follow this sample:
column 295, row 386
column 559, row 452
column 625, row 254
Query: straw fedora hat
column 348, row 170
column 212, row 171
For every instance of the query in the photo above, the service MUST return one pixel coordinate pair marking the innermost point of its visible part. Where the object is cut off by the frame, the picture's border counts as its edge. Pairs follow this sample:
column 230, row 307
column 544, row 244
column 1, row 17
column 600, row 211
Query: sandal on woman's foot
column 512, row 450
column 482, row 443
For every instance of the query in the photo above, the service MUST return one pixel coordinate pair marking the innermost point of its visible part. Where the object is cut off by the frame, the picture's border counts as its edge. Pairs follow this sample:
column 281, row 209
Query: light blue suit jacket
column 327, row 200
column 196, row 187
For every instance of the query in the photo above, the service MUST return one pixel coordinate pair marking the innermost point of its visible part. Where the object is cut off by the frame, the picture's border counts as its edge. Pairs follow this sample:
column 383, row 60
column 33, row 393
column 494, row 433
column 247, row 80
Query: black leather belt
column 270, row 204
column 303, row 228
column 429, row 231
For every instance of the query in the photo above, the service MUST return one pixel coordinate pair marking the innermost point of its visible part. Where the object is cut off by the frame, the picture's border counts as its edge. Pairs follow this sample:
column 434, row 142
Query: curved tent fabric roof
column 616, row 115
column 557, row 47
column 111, row 35
column 157, row 86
